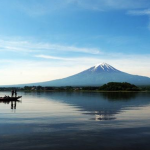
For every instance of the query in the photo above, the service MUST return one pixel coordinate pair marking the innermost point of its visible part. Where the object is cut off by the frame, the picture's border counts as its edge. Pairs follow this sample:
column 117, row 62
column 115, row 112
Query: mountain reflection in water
column 121, row 96
column 102, row 106
column 59, row 120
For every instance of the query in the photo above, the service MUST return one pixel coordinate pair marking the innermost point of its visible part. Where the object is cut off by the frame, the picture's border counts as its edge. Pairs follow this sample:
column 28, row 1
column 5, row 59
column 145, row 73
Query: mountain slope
column 96, row 76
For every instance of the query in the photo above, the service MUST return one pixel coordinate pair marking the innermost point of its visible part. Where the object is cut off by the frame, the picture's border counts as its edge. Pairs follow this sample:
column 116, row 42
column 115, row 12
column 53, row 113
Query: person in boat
column 15, row 93
column 12, row 93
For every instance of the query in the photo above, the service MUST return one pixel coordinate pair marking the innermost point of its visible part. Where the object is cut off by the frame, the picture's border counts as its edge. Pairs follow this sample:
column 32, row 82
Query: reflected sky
column 67, row 118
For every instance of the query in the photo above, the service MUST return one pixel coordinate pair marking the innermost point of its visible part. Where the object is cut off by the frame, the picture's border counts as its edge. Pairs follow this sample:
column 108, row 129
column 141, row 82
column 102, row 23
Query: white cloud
column 113, row 4
column 26, row 46
column 71, row 48
column 139, row 12
column 52, row 57
column 66, row 59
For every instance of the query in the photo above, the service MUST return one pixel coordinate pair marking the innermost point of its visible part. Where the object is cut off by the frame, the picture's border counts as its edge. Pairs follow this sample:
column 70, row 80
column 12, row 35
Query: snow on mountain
column 104, row 67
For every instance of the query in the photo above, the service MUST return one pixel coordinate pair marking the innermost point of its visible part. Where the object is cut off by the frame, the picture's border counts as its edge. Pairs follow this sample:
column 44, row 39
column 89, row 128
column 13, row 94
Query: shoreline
column 84, row 91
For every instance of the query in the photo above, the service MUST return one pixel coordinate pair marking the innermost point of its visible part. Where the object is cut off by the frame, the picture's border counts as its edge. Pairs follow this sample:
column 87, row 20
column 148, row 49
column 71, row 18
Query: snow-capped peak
column 104, row 67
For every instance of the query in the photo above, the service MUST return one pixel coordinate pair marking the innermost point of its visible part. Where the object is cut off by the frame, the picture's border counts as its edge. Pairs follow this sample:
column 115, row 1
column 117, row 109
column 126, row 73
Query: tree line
column 111, row 86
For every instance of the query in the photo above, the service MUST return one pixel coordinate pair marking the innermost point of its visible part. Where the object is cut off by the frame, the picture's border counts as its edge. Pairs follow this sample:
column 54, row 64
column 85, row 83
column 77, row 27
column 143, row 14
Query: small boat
column 7, row 98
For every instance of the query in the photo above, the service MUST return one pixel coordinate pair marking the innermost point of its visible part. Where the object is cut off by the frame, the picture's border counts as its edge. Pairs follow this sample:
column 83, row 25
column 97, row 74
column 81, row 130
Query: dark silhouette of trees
column 117, row 86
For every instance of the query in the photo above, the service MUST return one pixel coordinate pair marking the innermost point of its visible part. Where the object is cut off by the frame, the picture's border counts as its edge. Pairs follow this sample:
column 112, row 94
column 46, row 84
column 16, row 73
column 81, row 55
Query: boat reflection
column 13, row 103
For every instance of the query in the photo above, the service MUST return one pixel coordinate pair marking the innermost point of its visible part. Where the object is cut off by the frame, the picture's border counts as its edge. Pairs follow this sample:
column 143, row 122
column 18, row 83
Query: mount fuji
column 97, row 76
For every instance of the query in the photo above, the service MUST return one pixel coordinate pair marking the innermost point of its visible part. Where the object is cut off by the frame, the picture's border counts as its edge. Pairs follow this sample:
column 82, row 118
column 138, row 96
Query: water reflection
column 102, row 106
column 121, row 96
column 58, row 120
column 12, row 102
column 13, row 105
column 100, row 116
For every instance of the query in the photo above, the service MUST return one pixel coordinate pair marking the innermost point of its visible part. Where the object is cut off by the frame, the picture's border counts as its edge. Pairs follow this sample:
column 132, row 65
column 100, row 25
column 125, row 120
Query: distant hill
column 95, row 76
column 117, row 86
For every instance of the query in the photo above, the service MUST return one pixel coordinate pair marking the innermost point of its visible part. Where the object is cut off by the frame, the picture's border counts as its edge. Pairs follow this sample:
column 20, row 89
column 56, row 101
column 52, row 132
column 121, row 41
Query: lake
column 73, row 121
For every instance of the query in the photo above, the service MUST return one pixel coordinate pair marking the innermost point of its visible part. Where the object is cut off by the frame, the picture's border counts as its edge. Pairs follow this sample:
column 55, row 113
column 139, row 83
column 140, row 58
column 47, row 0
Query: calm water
column 57, row 120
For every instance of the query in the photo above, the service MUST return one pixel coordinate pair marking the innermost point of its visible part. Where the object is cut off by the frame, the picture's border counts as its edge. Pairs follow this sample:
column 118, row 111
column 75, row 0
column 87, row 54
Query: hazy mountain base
column 96, row 79
column 110, row 87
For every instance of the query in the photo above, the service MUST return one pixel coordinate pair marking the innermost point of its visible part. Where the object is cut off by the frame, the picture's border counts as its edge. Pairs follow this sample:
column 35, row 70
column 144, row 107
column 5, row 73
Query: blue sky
column 42, row 40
